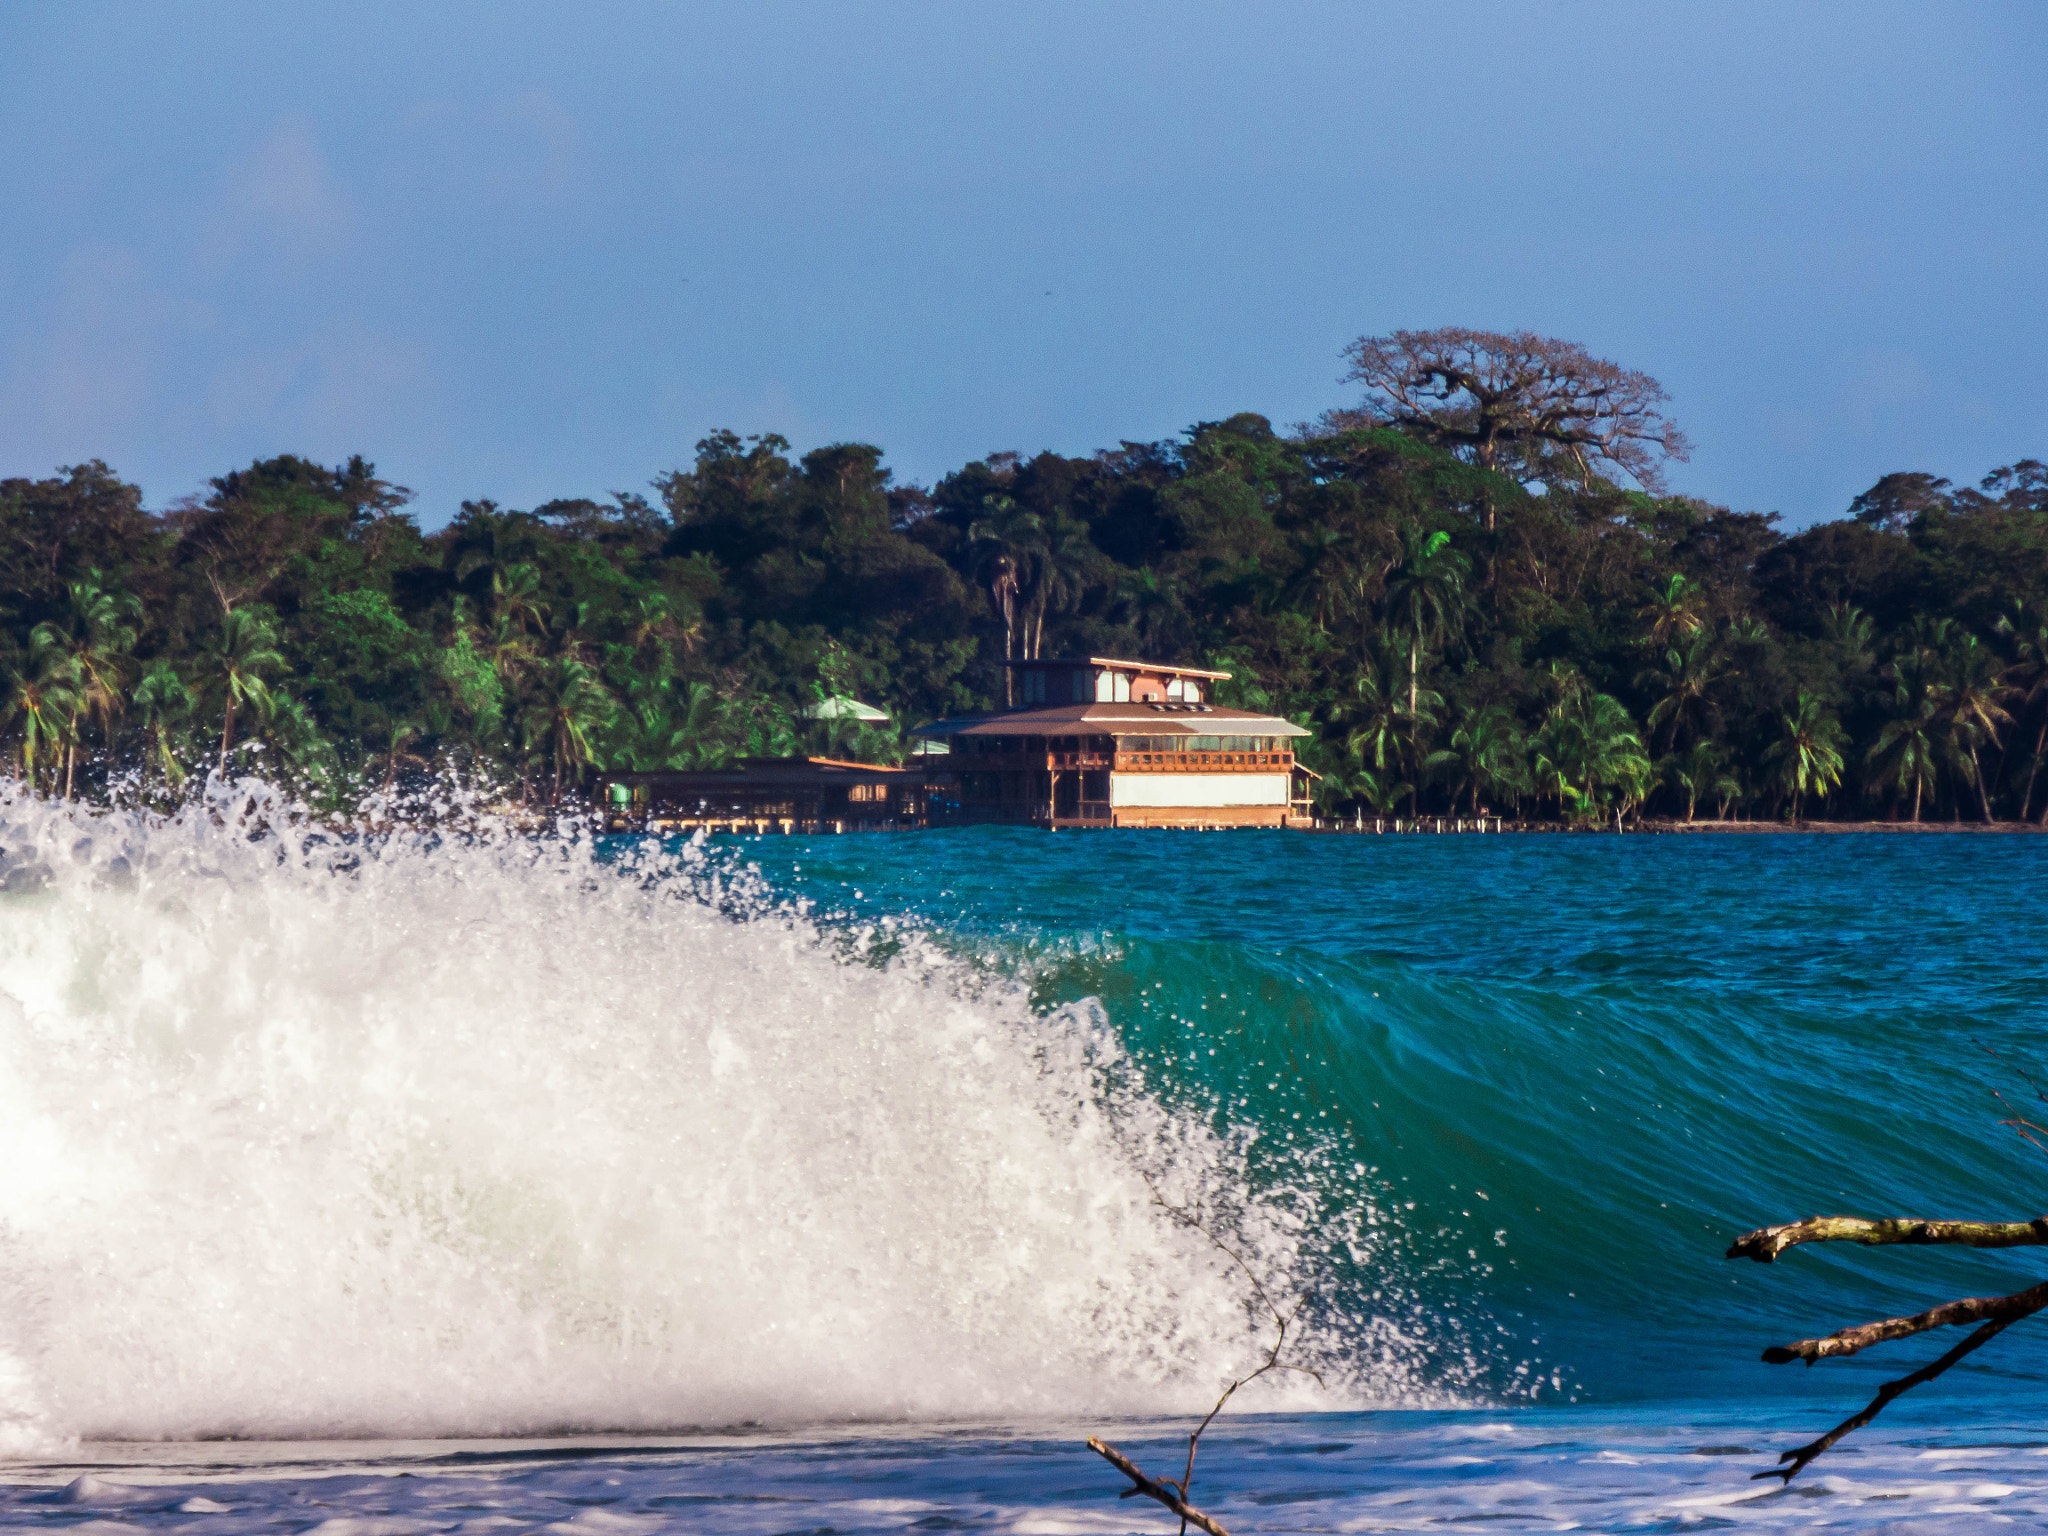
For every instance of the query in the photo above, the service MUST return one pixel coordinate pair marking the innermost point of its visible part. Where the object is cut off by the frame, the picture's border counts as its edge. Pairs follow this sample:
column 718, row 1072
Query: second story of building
column 1100, row 712
column 1107, row 680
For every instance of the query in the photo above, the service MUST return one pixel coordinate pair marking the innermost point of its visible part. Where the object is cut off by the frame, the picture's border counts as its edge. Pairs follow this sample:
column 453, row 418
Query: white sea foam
column 426, row 1136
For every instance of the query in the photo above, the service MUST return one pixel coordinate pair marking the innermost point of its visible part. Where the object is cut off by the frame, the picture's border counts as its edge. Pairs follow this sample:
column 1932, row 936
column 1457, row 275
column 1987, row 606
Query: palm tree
column 43, row 698
column 1385, row 706
column 1383, row 791
column 1848, row 629
column 1673, row 612
column 1374, row 714
column 566, row 706
column 1067, row 565
column 696, row 729
column 241, row 651
column 1428, row 587
column 1334, row 576
column 515, row 599
column 658, row 625
column 303, row 748
column 511, row 650
column 1809, row 752
column 1923, row 732
column 672, row 728
column 98, row 636
column 165, row 705
column 1152, row 610
column 1702, row 770
column 1906, row 754
column 2028, row 629
column 1490, row 751
column 1974, row 694
column 1007, row 542
column 1685, row 684
column 1907, row 750
column 1588, row 753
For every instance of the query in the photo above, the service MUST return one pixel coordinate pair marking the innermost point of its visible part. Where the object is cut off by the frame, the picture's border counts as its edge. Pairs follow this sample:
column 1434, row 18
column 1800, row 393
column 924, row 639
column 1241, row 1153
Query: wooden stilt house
column 1100, row 742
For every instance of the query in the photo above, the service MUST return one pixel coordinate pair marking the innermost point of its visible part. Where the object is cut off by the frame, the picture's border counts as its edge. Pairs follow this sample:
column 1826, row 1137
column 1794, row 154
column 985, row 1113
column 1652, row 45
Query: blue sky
column 521, row 250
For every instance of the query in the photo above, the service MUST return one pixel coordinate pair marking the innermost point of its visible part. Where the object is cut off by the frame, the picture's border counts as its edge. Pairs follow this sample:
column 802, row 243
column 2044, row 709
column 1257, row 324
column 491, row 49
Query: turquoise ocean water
column 805, row 1184
column 1636, row 1047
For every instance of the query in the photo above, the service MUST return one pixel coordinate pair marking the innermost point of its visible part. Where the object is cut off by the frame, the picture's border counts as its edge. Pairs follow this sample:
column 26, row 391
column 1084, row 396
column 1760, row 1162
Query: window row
column 1198, row 744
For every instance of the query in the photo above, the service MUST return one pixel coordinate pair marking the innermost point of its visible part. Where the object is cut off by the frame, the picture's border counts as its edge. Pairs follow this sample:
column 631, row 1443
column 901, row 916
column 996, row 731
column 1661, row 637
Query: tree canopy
column 1528, row 405
column 1450, row 590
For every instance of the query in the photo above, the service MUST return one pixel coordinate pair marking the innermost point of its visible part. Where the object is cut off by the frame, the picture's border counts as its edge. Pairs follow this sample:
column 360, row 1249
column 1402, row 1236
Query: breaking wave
column 310, row 1133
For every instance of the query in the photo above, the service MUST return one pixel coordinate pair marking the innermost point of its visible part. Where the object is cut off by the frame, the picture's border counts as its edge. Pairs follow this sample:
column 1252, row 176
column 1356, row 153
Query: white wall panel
column 1198, row 789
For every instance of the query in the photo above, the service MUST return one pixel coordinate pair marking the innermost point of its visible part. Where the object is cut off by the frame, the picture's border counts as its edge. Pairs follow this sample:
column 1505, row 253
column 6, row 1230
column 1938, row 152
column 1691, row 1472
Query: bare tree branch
column 1891, row 1389
column 1971, row 1309
column 1172, row 1494
column 1766, row 1243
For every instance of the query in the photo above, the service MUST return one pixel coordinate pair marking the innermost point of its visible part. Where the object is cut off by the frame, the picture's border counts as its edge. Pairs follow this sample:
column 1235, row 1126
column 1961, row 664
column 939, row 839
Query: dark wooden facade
column 768, row 794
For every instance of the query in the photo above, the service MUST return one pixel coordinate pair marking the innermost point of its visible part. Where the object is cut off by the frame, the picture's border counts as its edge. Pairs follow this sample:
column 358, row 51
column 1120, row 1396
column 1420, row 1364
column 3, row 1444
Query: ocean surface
column 416, row 1183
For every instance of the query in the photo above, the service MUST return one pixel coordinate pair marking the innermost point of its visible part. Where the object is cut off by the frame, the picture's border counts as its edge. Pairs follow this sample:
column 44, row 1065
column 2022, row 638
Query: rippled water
column 858, row 1139
column 1590, row 1469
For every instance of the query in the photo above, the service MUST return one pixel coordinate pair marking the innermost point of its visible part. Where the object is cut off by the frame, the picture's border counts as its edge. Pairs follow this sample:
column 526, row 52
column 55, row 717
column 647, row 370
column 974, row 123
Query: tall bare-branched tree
column 1525, row 405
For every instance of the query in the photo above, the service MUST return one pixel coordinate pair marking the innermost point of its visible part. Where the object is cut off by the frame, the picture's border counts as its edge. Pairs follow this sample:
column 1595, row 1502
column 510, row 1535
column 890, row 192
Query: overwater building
column 1089, row 742
column 1097, row 741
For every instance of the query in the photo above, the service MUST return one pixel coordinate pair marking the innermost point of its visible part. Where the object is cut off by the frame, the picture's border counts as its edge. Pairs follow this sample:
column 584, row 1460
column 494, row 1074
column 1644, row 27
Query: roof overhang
column 1132, row 666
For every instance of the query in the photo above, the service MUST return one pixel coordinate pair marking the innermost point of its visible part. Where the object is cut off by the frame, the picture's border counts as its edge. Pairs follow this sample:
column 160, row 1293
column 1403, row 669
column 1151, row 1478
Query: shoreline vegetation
column 1472, row 586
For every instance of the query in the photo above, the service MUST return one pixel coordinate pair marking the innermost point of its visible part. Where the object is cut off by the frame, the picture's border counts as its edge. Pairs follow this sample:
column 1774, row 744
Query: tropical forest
column 1475, row 587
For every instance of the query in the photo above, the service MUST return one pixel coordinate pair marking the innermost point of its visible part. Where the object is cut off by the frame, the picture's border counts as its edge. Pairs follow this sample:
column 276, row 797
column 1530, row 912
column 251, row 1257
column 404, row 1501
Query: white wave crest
column 306, row 1135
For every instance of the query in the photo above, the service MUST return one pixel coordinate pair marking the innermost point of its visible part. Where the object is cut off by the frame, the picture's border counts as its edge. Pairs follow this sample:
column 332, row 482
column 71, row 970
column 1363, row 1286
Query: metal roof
column 1168, row 719
column 1112, row 661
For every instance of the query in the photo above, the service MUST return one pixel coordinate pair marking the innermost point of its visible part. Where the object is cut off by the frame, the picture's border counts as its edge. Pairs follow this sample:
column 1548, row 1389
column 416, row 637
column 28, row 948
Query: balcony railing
column 1204, row 762
column 1123, row 762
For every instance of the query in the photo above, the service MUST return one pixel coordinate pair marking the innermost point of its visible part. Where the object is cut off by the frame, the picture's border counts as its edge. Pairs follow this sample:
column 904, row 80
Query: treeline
column 1457, row 630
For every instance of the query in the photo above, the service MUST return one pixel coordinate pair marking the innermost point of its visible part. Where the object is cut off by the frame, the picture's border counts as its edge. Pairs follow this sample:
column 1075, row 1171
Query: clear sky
column 525, row 250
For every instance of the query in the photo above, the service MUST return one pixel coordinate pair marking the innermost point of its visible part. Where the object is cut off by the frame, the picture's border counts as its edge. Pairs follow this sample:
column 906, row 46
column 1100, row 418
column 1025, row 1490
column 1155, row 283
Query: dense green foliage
column 1454, row 637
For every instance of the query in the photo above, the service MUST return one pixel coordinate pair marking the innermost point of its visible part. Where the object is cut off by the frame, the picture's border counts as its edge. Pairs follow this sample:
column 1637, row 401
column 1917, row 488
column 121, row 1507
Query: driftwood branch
column 1171, row 1494
column 1799, row 1458
column 1766, row 1243
column 1971, row 1309
column 1993, row 1314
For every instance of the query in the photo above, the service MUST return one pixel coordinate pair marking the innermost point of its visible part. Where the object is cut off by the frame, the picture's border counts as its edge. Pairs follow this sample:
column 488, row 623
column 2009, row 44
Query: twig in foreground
column 1174, row 1495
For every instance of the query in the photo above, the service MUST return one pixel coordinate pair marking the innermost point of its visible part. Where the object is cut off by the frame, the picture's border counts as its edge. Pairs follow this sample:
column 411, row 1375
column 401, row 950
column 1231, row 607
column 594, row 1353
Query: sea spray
column 318, row 1134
